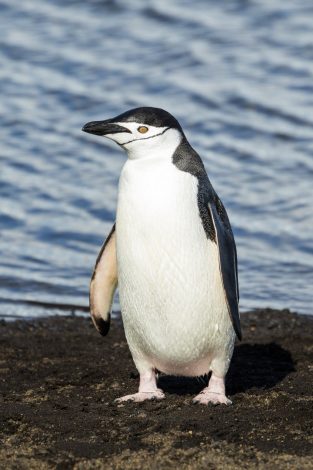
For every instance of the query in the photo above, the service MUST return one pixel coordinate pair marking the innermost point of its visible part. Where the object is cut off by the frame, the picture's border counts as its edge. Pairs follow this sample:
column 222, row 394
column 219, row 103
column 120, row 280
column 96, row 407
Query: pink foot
column 142, row 396
column 148, row 389
column 206, row 397
column 214, row 393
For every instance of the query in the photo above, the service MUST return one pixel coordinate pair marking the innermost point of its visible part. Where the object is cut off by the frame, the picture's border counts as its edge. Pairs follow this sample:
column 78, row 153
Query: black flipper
column 103, row 284
column 216, row 225
column 228, row 259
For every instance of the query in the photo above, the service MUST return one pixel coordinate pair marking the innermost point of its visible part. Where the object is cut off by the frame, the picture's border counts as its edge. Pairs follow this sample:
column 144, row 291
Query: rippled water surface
column 239, row 77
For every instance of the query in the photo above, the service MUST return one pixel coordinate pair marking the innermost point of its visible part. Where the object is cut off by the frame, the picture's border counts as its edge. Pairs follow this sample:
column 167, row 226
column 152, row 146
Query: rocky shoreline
column 59, row 379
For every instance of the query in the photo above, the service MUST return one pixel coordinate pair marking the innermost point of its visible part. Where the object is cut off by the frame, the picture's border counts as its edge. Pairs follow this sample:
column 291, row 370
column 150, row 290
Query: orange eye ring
column 142, row 129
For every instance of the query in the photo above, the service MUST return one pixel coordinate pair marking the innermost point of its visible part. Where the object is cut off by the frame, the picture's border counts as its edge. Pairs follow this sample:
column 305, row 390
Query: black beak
column 104, row 128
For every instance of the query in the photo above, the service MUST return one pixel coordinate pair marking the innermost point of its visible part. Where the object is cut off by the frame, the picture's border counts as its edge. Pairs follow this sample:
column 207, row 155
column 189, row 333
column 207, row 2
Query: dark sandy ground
column 59, row 379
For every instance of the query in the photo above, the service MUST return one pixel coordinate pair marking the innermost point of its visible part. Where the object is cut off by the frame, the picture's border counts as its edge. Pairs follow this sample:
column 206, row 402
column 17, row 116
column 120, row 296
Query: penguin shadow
column 258, row 366
column 253, row 366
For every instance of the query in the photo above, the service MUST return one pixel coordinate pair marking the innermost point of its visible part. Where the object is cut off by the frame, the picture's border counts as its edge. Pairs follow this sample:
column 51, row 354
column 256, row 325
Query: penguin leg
column 214, row 393
column 148, row 389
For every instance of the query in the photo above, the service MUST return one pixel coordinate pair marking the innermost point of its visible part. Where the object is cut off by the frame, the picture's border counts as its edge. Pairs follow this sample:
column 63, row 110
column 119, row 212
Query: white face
column 146, row 140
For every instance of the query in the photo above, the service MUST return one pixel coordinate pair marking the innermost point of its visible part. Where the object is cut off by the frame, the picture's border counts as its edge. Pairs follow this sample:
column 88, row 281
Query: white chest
column 169, row 282
column 156, row 197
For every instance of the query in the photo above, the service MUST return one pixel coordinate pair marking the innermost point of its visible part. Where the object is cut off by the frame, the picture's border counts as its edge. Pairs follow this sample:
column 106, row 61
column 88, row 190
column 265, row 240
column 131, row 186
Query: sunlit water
column 239, row 77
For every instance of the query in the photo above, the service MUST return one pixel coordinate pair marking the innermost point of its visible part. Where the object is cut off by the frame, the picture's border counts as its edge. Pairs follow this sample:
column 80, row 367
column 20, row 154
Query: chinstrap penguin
column 173, row 255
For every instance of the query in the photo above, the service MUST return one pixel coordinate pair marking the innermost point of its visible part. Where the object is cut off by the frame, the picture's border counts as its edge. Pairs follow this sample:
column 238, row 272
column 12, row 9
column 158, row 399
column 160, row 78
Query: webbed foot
column 142, row 396
column 148, row 389
column 214, row 393
column 206, row 397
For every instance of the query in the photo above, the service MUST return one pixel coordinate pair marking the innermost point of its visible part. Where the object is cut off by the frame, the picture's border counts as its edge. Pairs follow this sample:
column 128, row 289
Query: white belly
column 172, row 299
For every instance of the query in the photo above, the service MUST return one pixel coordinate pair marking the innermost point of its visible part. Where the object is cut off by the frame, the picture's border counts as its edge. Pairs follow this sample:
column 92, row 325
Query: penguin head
column 140, row 131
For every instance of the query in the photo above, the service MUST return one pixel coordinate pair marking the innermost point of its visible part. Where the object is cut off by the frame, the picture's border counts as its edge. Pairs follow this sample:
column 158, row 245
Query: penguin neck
column 162, row 146
column 186, row 159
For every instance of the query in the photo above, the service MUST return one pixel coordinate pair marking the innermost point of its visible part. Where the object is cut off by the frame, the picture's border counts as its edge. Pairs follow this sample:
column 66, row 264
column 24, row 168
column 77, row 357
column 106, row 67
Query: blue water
column 239, row 77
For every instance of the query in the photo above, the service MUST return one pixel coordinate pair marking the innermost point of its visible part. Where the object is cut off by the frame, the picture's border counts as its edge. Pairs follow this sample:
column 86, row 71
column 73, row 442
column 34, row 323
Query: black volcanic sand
column 59, row 379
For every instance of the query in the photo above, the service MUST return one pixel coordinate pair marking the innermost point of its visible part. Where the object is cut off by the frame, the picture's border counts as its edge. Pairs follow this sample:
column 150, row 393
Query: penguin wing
column 103, row 284
column 227, row 259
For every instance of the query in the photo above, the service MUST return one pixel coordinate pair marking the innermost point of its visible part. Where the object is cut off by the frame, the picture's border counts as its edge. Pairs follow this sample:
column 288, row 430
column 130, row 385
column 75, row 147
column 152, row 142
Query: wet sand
column 59, row 379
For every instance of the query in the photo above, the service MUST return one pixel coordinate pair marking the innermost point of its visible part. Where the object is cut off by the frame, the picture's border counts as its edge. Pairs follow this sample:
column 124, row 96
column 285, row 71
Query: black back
column 216, row 225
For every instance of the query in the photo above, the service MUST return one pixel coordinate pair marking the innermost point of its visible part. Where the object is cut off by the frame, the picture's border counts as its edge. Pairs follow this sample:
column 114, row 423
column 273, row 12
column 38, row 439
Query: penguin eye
column 142, row 129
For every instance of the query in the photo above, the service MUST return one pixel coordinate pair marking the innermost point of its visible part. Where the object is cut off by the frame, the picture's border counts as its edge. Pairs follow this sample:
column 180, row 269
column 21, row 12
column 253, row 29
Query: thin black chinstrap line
column 145, row 138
